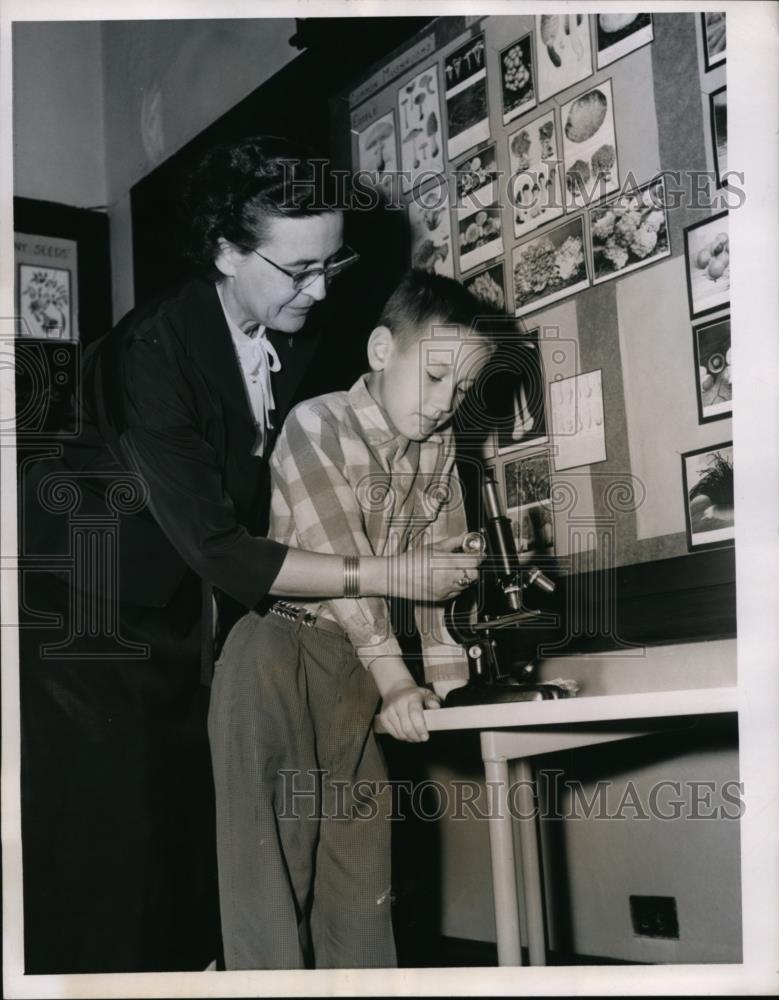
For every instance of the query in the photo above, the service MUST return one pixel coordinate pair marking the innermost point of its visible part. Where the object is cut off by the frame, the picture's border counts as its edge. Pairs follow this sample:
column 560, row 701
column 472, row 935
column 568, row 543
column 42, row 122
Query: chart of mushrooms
column 571, row 170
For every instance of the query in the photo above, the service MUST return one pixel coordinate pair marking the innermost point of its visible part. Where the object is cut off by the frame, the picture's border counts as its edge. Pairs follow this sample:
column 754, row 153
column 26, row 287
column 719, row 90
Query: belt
column 292, row 613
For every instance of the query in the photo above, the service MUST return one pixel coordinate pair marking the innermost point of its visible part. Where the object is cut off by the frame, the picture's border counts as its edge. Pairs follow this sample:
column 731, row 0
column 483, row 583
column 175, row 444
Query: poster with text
column 46, row 287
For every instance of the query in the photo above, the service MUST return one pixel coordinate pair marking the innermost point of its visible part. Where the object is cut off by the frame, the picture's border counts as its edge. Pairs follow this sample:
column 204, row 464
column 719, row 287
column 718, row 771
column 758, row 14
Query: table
column 523, row 730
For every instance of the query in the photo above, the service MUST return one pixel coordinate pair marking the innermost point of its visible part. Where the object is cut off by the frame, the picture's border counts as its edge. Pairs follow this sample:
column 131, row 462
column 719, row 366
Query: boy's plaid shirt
column 345, row 483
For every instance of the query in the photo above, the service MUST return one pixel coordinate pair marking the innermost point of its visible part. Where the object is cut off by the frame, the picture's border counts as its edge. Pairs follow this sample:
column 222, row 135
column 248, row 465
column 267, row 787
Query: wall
column 164, row 82
column 58, row 99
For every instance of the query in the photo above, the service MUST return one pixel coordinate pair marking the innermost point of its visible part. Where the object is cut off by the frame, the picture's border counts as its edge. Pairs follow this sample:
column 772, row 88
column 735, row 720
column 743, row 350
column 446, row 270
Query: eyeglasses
column 301, row 280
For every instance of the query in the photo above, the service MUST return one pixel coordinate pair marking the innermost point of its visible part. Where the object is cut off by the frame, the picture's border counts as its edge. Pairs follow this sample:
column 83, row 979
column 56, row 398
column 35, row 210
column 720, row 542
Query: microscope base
column 501, row 692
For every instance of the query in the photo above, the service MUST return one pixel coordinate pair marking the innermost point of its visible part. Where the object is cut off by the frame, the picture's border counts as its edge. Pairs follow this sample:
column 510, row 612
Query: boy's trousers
column 303, row 848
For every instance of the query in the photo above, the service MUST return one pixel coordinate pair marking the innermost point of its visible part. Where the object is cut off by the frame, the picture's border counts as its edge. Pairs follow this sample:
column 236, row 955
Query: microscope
column 483, row 634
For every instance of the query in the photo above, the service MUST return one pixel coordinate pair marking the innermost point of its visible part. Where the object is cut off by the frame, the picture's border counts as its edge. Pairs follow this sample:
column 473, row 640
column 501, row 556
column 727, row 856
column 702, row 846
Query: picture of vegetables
column 488, row 286
column 618, row 35
column 589, row 146
column 603, row 161
column 517, row 79
column 713, row 366
column 714, row 258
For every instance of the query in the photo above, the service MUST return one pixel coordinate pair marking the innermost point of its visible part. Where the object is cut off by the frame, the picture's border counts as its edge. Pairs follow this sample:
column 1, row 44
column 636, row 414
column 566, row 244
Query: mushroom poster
column 479, row 213
column 535, row 189
column 431, row 231
column 517, row 83
column 377, row 151
column 466, row 97
column 589, row 146
column 563, row 52
column 419, row 123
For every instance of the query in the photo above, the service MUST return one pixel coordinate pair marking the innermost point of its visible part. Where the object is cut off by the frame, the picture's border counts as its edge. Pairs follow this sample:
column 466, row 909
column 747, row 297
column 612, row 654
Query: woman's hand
column 401, row 711
column 433, row 573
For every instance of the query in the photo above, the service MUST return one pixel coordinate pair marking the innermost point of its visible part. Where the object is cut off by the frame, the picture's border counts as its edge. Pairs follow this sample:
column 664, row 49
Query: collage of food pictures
column 562, row 217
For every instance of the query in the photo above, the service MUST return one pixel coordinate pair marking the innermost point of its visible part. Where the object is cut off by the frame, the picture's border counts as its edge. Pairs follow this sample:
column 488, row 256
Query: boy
column 304, row 858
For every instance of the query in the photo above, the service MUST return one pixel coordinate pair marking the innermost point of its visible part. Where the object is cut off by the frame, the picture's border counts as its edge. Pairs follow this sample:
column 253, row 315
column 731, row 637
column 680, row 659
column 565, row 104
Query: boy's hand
column 401, row 711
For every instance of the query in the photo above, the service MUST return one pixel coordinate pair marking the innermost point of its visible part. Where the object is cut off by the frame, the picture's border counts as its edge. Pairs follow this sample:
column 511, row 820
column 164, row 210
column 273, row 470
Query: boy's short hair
column 422, row 298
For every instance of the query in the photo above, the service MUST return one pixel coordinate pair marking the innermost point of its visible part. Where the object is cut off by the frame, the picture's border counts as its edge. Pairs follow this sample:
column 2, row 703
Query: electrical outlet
column 654, row 916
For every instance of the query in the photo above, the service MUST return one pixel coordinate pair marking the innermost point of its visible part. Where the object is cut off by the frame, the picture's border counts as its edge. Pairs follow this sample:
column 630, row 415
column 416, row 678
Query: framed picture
column 489, row 286
column 718, row 114
column 707, row 474
column 528, row 486
column 550, row 267
column 44, row 302
column 629, row 231
column 466, row 97
column 535, row 188
column 707, row 256
column 476, row 177
column 714, row 379
column 517, row 406
column 618, row 34
column 589, row 147
column 517, row 85
column 563, row 52
column 714, row 38
column 479, row 215
column 431, row 230
column 377, row 153
column 419, row 124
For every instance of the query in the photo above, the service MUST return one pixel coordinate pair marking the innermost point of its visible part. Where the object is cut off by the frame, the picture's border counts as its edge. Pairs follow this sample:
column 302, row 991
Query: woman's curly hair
column 236, row 189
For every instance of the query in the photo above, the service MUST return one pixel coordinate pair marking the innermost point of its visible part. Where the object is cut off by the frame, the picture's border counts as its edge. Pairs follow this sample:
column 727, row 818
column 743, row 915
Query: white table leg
column 504, row 874
column 531, row 862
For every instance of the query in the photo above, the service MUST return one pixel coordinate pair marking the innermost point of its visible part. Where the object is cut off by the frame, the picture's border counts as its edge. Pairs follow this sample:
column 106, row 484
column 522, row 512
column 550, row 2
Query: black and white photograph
column 550, row 267
column 518, row 88
column 589, row 147
column 563, row 52
column 419, row 125
column 370, row 526
column 431, row 230
column 467, row 115
column 714, row 29
column 629, row 231
column 718, row 119
column 44, row 302
column 377, row 152
column 618, row 35
column 711, row 342
column 528, row 485
column 535, row 184
column 489, row 286
column 709, row 495
column 707, row 258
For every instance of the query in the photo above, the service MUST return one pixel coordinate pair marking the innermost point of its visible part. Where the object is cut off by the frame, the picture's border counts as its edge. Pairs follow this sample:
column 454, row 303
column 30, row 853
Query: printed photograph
column 708, row 490
column 619, row 34
column 466, row 97
column 629, row 232
column 44, row 302
column 516, row 79
column 589, row 147
column 518, row 404
column 528, row 503
column 475, row 178
column 714, row 38
column 489, row 286
column 480, row 235
column 714, row 381
column 431, row 230
column 419, row 123
column 549, row 267
column 718, row 110
column 707, row 257
column 377, row 151
column 563, row 52
column 535, row 188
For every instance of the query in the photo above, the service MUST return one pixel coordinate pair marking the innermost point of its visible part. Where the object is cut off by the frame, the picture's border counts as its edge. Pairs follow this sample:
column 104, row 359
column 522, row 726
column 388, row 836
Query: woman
column 180, row 406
